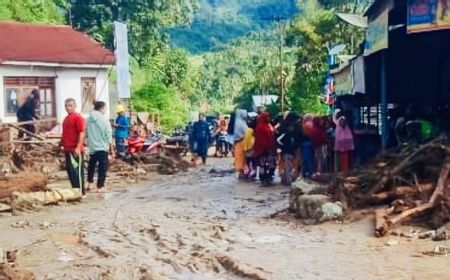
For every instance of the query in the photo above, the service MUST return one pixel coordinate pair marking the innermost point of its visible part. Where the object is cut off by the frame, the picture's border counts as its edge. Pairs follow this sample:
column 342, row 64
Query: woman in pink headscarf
column 343, row 142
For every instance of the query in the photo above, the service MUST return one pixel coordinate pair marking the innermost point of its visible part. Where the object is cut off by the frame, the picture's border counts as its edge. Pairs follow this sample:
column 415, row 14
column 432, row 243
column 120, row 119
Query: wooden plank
column 35, row 121
column 26, row 131
column 33, row 142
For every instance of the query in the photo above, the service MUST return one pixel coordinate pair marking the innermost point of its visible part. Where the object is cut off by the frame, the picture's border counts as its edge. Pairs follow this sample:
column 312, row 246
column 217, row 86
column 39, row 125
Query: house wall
column 67, row 85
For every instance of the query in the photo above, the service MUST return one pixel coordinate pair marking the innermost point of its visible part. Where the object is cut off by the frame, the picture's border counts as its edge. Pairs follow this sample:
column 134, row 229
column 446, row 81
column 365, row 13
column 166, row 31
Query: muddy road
column 199, row 225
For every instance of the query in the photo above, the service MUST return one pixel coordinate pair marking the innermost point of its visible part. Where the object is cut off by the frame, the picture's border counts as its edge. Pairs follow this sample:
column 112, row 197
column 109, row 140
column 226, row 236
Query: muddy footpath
column 202, row 225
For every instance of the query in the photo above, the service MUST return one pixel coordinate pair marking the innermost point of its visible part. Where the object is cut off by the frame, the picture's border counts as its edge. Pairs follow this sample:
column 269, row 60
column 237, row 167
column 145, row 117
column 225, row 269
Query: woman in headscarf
column 265, row 148
column 240, row 128
column 249, row 142
column 343, row 143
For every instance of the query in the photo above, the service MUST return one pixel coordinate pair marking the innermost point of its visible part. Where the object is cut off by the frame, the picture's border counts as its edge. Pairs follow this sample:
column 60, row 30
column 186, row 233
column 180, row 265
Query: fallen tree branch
column 407, row 161
column 381, row 224
column 400, row 192
column 35, row 121
column 26, row 131
column 425, row 207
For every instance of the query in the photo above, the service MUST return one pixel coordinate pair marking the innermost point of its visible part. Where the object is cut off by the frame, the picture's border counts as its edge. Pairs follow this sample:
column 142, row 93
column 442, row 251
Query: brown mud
column 201, row 225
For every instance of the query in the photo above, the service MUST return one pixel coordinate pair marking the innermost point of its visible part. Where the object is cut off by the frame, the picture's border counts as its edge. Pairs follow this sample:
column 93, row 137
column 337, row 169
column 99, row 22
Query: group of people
column 296, row 145
column 75, row 128
column 98, row 132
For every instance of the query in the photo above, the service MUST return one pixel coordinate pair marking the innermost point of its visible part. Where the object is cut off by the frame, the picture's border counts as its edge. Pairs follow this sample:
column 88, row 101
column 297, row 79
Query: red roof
column 50, row 44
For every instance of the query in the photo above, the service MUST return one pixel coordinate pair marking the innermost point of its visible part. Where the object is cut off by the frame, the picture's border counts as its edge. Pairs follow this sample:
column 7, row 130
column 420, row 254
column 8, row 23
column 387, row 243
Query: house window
column 88, row 93
column 12, row 95
column 17, row 89
column 46, row 109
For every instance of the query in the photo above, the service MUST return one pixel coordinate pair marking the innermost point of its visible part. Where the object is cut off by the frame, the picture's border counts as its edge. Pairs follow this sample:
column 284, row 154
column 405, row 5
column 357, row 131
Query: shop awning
column 349, row 78
column 354, row 19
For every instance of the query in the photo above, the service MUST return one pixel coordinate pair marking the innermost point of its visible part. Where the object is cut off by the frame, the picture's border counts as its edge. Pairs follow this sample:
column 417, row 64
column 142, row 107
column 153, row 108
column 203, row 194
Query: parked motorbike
column 179, row 138
column 139, row 144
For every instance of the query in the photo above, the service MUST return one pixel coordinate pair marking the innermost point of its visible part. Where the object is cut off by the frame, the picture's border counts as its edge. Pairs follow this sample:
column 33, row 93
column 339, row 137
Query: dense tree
column 145, row 19
column 155, row 97
column 220, row 22
column 314, row 32
column 44, row 11
column 248, row 66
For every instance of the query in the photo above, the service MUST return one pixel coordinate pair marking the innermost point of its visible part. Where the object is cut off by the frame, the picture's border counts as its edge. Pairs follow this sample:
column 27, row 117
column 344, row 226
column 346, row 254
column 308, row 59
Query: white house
column 58, row 61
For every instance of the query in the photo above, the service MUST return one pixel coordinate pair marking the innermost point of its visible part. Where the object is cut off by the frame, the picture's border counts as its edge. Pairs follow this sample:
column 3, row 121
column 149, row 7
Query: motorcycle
column 138, row 144
column 179, row 138
column 222, row 144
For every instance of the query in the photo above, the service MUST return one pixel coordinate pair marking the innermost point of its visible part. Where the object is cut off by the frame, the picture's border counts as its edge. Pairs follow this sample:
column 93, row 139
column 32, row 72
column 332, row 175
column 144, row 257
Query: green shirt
column 99, row 132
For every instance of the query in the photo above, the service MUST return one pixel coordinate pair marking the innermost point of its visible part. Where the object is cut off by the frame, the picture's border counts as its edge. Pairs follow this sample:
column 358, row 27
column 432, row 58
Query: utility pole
column 281, row 22
column 282, row 25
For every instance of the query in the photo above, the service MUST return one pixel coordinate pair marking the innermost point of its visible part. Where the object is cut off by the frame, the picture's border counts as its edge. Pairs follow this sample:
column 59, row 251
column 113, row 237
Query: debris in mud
column 440, row 234
column 31, row 200
column 241, row 270
column 167, row 163
column 22, row 182
column 392, row 242
column 9, row 273
column 307, row 206
column 21, row 224
column 7, row 270
column 438, row 250
column 45, row 158
column 45, row 225
column 329, row 211
column 221, row 172
column 405, row 185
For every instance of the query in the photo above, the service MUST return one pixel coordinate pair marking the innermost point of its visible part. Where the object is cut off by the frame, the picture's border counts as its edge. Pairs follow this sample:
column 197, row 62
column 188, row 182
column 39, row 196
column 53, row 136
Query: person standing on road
column 122, row 128
column 319, row 140
column 265, row 148
column 343, row 143
column 249, row 143
column 72, row 142
column 307, row 149
column 289, row 141
column 240, row 128
column 200, row 139
column 27, row 112
column 99, row 142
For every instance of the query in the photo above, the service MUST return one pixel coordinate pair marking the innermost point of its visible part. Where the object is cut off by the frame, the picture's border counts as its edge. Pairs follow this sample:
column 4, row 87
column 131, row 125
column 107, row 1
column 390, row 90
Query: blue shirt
column 123, row 127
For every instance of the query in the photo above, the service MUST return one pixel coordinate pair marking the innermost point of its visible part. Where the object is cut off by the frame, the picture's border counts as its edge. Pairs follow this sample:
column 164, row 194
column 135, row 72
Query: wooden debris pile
column 22, row 182
column 29, row 190
column 8, row 269
column 169, row 161
column 45, row 158
column 404, row 186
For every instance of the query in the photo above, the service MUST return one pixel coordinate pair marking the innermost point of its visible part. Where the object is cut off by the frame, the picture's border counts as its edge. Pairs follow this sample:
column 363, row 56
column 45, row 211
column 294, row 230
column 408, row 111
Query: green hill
column 217, row 22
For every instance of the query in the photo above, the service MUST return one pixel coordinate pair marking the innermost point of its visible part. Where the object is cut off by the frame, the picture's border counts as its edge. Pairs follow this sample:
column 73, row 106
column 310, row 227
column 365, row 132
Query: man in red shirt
column 72, row 143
